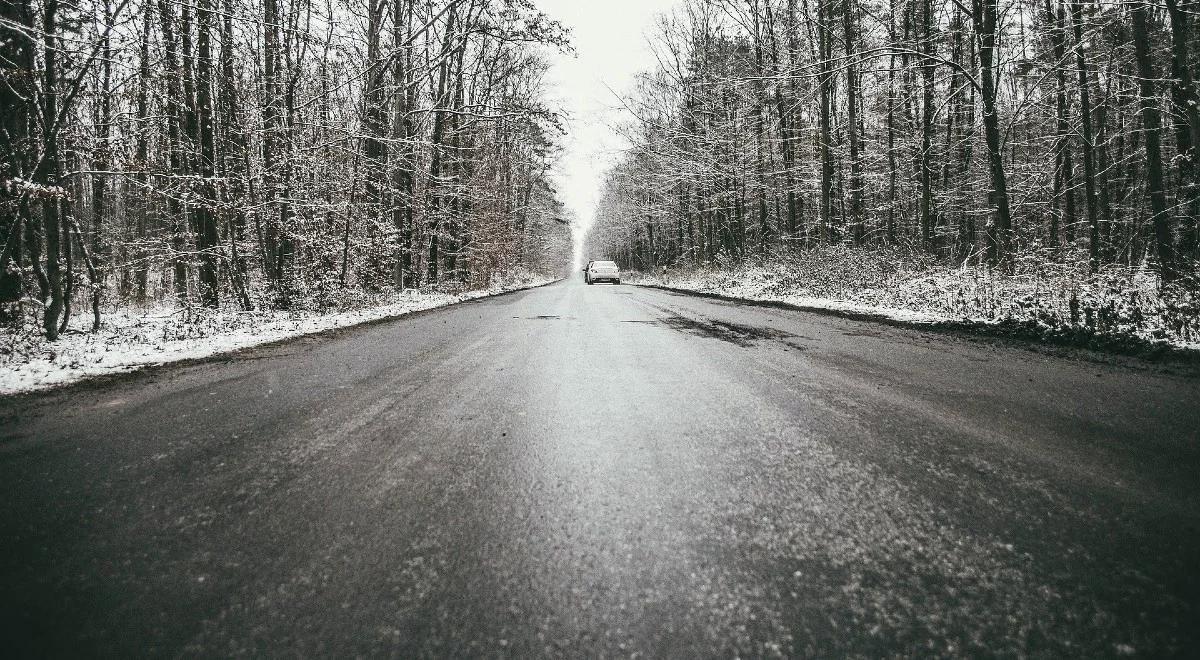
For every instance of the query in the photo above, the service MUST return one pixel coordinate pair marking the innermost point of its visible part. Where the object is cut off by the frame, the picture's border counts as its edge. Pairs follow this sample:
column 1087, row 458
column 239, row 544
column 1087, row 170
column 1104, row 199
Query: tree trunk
column 175, row 113
column 269, row 238
column 435, row 162
column 207, row 238
column 893, row 174
column 1151, row 128
column 102, row 157
column 1064, row 175
column 1186, row 110
column 140, row 254
column 849, row 23
column 985, row 17
column 17, row 99
column 824, row 137
column 234, row 158
column 1089, row 161
column 403, row 130
column 374, row 116
column 48, row 173
column 928, row 67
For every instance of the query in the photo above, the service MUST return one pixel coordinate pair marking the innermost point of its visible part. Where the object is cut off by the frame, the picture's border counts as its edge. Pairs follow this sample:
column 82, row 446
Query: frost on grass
column 1038, row 298
column 132, row 338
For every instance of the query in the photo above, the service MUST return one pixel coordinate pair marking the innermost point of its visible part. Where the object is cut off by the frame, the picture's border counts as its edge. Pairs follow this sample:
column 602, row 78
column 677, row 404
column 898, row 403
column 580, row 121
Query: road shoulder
column 97, row 362
column 1132, row 352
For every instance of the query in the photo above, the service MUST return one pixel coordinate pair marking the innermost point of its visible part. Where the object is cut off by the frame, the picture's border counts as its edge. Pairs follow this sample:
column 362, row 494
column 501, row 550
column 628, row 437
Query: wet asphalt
column 608, row 471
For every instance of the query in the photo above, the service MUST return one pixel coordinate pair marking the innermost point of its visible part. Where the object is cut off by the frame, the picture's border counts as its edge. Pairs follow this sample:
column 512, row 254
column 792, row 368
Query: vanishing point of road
column 608, row 471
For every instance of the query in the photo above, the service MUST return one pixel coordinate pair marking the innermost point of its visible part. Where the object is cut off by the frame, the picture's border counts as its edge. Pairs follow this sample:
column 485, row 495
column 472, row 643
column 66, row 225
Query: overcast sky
column 610, row 42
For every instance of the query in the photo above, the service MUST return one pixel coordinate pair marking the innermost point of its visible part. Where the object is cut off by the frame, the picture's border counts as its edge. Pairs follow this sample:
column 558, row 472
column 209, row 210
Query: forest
column 273, row 154
column 999, row 136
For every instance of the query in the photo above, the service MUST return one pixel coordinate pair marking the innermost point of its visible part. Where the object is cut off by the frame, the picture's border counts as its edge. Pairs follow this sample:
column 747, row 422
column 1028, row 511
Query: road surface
column 608, row 471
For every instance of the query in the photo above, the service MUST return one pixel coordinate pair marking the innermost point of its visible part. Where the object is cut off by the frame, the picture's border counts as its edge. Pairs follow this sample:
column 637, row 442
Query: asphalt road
column 608, row 471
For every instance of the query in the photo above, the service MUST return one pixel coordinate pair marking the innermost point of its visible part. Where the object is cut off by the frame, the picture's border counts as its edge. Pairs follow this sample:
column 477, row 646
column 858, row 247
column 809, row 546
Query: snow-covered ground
column 131, row 339
column 1048, row 300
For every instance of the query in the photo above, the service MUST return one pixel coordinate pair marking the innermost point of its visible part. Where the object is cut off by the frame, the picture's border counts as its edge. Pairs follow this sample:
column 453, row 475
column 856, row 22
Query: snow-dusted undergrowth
column 132, row 338
column 1040, row 298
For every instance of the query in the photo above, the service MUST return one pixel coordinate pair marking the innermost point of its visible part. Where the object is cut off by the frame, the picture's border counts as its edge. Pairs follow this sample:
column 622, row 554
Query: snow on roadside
column 131, row 339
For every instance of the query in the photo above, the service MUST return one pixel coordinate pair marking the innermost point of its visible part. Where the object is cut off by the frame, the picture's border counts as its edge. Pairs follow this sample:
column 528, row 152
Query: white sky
column 610, row 43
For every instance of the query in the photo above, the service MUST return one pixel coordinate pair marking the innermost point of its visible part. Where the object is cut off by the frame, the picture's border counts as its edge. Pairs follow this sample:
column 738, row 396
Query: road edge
column 1093, row 347
column 101, row 380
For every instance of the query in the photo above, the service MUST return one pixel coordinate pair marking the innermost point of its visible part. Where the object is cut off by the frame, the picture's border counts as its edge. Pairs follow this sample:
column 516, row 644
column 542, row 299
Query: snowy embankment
column 131, row 339
column 1116, row 308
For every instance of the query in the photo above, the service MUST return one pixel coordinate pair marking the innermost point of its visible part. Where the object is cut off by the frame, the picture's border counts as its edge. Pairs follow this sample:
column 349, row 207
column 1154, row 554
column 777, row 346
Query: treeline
column 985, row 131
column 259, row 153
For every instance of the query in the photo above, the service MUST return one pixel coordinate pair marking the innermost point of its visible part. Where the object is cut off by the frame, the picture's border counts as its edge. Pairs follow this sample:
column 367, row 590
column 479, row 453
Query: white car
column 602, row 271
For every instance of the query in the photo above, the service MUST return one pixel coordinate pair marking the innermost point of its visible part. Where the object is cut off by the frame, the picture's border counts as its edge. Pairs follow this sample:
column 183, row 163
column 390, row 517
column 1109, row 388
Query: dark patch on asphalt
column 862, row 333
column 648, row 322
column 544, row 317
column 9, row 422
column 734, row 333
column 1126, row 351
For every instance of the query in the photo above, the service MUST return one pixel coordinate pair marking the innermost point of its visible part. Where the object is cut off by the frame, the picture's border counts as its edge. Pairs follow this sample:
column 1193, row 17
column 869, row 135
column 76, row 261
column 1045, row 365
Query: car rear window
column 606, row 264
